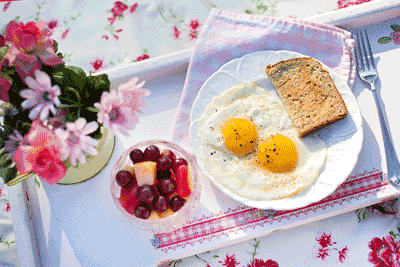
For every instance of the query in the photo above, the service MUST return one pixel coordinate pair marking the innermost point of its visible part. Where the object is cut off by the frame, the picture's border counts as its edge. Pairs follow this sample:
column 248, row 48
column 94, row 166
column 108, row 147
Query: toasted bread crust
column 308, row 94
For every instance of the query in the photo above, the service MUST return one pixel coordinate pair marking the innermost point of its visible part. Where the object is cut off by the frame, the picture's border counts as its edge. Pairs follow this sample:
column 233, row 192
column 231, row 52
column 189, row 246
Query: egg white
column 241, row 174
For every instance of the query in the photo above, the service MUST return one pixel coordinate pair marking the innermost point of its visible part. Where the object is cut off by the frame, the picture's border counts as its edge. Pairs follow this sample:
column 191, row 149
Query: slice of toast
column 308, row 93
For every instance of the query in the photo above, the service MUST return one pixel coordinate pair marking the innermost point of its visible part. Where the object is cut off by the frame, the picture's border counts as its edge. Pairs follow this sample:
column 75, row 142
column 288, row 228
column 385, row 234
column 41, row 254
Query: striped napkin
column 226, row 36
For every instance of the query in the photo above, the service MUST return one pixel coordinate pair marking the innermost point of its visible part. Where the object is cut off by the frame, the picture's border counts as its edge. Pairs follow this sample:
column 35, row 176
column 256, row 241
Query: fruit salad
column 155, row 183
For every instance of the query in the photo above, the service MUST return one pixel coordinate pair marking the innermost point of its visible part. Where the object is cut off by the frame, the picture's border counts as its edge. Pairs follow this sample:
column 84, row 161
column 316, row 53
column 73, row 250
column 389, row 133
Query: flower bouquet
column 55, row 116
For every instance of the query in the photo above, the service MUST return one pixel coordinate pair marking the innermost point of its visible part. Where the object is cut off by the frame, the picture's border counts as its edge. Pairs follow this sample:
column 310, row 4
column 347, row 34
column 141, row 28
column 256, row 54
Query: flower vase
column 83, row 172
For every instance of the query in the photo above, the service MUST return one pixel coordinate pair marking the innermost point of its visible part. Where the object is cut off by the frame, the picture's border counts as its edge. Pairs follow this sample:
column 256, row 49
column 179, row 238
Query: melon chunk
column 145, row 172
column 129, row 169
column 166, row 213
column 153, row 216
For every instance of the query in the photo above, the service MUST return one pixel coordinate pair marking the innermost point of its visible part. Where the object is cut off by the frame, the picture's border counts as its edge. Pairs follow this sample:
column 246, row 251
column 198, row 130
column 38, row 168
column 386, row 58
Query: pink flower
column 395, row 36
column 41, row 154
column 41, row 96
column 143, row 57
column 347, row 3
column 230, row 261
column 262, row 263
column 193, row 34
column 5, row 86
column 194, row 24
column 117, row 11
column 8, row 208
column 76, row 140
column 133, row 7
column 342, row 254
column 176, row 33
column 29, row 43
column 97, row 64
column 132, row 94
column 114, row 115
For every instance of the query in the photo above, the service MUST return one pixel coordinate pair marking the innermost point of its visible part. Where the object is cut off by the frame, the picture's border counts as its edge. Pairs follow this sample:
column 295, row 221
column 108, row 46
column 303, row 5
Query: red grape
column 124, row 177
column 164, row 164
column 146, row 194
column 142, row 211
column 166, row 186
column 151, row 153
column 169, row 155
column 177, row 203
column 161, row 204
column 136, row 155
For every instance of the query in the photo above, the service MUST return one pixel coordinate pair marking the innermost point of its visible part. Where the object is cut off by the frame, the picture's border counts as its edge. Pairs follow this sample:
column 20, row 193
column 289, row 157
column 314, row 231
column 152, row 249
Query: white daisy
column 76, row 140
column 41, row 96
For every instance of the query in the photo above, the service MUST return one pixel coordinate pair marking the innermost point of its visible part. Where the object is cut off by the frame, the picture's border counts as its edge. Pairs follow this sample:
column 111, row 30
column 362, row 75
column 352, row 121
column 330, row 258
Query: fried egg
column 249, row 144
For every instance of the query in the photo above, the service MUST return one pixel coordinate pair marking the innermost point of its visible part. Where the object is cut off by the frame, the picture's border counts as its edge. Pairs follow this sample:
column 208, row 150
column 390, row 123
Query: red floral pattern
column 97, row 64
column 8, row 208
column 347, row 3
column 142, row 57
column 262, row 263
column 325, row 247
column 384, row 252
column 6, row 6
column 230, row 261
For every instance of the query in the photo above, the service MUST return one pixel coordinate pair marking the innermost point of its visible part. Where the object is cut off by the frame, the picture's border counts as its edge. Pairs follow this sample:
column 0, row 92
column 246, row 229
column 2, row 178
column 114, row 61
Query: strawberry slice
column 182, row 183
column 128, row 198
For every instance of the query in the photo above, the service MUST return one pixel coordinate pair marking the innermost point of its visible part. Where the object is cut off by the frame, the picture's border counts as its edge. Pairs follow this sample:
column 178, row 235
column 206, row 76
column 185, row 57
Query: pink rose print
column 262, row 263
column 384, row 252
column 230, row 261
column 8, row 208
column 347, row 3
column 117, row 11
column 64, row 34
column 142, row 57
column 325, row 247
column 97, row 64
column 395, row 36
column 133, row 8
column 6, row 6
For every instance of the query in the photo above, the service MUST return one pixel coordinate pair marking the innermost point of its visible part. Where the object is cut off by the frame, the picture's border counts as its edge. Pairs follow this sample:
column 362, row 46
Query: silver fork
column 367, row 71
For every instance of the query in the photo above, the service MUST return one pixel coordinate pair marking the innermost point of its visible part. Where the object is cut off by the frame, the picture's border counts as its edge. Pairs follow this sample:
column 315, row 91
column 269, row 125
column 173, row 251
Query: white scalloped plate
column 343, row 138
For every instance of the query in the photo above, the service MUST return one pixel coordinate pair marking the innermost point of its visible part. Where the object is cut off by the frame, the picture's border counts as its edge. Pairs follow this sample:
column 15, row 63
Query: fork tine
column 369, row 50
column 357, row 57
column 365, row 55
column 359, row 53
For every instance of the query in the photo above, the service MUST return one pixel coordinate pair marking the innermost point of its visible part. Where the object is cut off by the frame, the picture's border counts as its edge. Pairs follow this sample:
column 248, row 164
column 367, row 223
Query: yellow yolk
column 278, row 153
column 240, row 135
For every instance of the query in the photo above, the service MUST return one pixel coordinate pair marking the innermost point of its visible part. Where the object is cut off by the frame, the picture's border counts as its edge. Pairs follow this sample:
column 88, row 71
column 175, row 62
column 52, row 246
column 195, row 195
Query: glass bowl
column 177, row 219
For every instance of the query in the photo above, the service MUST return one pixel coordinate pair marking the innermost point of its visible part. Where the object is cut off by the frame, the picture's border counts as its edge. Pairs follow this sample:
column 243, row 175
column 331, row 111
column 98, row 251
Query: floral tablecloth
column 98, row 35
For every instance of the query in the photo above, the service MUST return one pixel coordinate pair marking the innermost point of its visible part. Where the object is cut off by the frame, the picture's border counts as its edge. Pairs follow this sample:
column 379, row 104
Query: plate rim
column 268, row 204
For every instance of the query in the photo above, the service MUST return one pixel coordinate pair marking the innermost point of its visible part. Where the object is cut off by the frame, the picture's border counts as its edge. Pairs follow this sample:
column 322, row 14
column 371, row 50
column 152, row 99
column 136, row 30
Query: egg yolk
column 240, row 135
column 278, row 154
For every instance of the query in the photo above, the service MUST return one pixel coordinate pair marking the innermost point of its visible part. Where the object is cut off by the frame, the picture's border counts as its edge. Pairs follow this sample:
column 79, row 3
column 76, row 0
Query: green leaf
column 77, row 70
column 37, row 182
column 72, row 92
column 384, row 40
column 55, row 45
column 8, row 174
column 395, row 27
column 248, row 11
column 262, row 8
column 96, row 134
column 60, row 55
column 3, row 51
column 93, row 109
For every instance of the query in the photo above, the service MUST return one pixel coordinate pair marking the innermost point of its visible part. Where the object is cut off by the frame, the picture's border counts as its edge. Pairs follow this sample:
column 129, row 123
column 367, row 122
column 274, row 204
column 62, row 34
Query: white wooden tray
column 80, row 226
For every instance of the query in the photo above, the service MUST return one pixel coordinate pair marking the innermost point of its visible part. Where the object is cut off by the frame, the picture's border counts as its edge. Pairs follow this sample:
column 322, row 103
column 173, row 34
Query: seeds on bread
column 308, row 93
